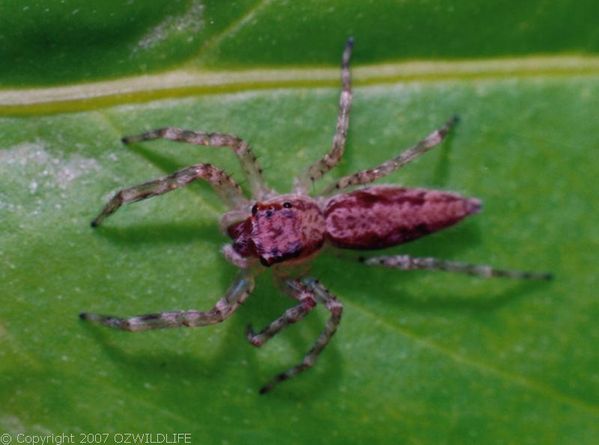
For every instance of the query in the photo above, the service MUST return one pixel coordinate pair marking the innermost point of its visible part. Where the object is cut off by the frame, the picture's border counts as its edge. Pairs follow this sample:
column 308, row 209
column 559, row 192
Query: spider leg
column 307, row 302
column 319, row 168
column 224, row 185
column 242, row 149
column 405, row 262
column 387, row 167
column 321, row 295
column 236, row 295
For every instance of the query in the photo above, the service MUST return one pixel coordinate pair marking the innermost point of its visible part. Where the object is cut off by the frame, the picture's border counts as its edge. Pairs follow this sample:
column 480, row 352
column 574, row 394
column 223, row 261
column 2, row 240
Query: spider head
column 281, row 229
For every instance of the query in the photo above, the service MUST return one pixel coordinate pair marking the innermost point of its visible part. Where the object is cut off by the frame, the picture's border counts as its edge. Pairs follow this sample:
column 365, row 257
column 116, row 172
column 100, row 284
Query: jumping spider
column 273, row 230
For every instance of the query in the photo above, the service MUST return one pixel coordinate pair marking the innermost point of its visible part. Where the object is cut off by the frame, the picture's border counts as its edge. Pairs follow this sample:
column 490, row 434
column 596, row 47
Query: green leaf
column 420, row 357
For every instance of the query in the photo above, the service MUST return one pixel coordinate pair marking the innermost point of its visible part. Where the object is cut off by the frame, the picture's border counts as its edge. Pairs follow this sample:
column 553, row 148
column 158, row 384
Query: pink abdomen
column 384, row 216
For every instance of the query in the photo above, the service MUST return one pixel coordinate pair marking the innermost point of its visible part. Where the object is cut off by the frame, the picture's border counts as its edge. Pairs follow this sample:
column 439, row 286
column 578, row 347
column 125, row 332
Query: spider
column 270, row 230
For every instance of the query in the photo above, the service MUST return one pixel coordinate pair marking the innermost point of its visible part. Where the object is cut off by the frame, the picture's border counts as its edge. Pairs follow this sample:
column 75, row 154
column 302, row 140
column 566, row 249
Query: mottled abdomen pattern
column 378, row 217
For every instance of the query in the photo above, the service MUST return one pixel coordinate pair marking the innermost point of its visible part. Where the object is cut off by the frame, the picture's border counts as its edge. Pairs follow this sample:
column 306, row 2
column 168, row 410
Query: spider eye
column 254, row 209
column 287, row 205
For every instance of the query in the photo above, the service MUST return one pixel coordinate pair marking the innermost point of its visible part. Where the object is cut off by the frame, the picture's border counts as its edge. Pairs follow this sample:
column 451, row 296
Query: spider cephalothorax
column 269, row 229
column 280, row 229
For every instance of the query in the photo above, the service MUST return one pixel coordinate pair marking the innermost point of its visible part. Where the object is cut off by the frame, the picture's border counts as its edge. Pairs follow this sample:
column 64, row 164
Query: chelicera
column 276, row 231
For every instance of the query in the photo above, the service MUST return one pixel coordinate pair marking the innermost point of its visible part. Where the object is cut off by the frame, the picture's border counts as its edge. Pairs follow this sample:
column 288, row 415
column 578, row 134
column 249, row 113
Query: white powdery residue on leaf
column 73, row 168
column 12, row 424
column 31, row 162
column 36, row 174
column 189, row 23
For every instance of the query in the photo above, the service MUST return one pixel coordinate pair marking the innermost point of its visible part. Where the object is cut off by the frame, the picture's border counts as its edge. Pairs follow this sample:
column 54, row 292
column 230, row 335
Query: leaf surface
column 420, row 357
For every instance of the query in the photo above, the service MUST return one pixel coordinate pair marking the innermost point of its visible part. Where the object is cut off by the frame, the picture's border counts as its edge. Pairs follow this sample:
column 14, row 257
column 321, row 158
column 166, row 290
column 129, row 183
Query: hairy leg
column 405, row 262
column 307, row 302
column 240, row 147
column 387, row 167
column 323, row 296
column 236, row 295
column 224, row 185
column 319, row 168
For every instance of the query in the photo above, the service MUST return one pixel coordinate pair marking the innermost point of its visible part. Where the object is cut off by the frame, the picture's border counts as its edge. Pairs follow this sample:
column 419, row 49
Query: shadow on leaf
column 169, row 233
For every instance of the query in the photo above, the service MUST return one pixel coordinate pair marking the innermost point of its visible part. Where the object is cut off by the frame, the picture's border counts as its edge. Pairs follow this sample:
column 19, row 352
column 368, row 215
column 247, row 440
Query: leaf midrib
column 187, row 82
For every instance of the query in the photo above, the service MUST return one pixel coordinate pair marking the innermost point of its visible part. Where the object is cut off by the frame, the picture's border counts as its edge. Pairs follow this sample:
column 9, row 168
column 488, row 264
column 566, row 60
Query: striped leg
column 237, row 294
column 241, row 148
column 319, row 168
column 322, row 295
column 224, row 185
column 387, row 167
column 307, row 302
column 405, row 262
